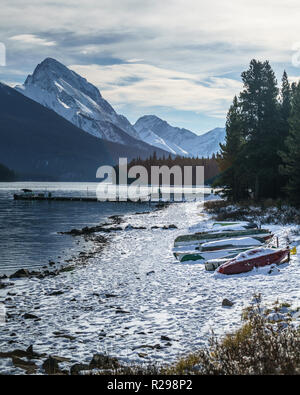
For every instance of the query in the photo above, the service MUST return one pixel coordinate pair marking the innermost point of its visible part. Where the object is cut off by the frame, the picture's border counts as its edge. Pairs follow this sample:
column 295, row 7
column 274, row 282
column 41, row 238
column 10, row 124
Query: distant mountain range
column 62, row 90
column 57, row 125
column 159, row 133
column 39, row 144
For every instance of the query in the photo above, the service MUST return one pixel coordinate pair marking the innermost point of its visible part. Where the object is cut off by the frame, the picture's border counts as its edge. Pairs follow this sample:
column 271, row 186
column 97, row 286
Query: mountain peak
column 176, row 140
column 48, row 66
column 55, row 86
column 150, row 117
column 150, row 122
column 48, row 74
column 51, row 61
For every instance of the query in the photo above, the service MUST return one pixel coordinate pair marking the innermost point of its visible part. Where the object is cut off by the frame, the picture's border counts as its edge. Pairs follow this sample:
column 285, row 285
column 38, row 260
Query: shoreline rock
column 227, row 303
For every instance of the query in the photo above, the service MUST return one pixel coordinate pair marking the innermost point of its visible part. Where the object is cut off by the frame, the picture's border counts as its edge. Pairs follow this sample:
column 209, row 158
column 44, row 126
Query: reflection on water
column 28, row 229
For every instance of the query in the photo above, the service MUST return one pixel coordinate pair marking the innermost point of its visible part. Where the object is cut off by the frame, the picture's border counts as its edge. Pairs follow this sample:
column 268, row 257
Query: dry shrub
column 258, row 348
column 215, row 205
column 264, row 212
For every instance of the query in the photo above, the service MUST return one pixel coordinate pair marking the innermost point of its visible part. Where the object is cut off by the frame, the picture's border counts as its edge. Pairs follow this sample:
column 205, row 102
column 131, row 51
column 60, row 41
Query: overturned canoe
column 234, row 225
column 208, row 255
column 204, row 237
column 216, row 247
column 222, row 244
column 239, row 242
column 246, row 261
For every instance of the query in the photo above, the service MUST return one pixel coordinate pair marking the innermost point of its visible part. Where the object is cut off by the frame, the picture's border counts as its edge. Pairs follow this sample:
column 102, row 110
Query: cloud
column 135, row 60
column 204, row 36
column 145, row 85
column 32, row 39
column 190, row 53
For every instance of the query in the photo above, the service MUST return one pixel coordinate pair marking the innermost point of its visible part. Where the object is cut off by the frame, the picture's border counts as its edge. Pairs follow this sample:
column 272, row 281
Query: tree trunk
column 256, row 189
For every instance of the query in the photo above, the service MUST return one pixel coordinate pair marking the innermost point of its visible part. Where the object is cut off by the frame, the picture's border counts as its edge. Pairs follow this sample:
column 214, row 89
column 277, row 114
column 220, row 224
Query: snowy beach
column 135, row 301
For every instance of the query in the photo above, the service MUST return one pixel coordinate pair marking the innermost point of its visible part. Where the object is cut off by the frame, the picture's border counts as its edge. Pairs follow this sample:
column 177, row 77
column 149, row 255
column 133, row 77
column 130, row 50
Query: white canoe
column 205, row 256
column 205, row 237
column 238, row 242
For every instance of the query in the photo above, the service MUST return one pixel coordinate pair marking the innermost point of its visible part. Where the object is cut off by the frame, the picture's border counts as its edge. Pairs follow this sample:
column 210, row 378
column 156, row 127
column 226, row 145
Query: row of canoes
column 230, row 248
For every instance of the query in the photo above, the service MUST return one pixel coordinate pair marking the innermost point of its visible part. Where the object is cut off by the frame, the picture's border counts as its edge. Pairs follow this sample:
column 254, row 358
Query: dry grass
column 264, row 212
column 258, row 348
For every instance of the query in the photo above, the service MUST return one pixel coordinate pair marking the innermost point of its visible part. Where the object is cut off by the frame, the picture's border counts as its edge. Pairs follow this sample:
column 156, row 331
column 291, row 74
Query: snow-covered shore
column 135, row 301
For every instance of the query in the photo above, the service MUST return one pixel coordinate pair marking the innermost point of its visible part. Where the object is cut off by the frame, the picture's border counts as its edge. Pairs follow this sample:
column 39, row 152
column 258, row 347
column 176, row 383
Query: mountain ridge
column 62, row 90
column 180, row 141
column 37, row 143
column 55, row 86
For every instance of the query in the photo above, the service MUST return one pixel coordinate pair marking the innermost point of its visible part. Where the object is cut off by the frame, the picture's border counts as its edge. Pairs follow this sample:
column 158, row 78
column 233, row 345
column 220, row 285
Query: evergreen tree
column 286, row 98
column 211, row 167
column 229, row 159
column 261, row 117
column 6, row 174
column 285, row 112
column 293, row 88
column 291, row 157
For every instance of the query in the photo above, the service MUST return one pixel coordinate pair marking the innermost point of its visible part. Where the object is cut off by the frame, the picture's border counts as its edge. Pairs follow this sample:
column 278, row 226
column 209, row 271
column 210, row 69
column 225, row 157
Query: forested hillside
column 210, row 165
column 6, row 174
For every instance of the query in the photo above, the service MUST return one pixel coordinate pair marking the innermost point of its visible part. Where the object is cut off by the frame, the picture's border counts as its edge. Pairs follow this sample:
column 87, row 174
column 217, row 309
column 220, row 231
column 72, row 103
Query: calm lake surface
column 28, row 230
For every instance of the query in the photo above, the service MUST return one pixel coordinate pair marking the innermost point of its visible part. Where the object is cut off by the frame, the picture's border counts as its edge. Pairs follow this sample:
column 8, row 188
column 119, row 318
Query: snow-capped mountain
column 56, row 87
column 159, row 133
column 39, row 144
column 71, row 96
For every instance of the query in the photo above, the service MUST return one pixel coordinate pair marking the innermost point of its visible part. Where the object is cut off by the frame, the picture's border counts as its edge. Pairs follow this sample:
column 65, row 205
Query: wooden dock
column 72, row 199
column 28, row 195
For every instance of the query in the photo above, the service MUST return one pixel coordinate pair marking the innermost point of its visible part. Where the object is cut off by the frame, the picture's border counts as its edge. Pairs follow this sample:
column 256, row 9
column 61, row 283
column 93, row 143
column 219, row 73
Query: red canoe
column 248, row 260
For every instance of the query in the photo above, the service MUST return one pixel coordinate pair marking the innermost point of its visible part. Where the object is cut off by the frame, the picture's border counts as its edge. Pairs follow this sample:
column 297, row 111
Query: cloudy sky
column 178, row 59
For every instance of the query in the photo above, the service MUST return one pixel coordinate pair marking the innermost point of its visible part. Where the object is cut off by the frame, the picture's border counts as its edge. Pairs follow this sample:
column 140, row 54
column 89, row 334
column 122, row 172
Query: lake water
column 29, row 229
